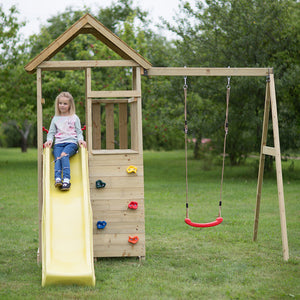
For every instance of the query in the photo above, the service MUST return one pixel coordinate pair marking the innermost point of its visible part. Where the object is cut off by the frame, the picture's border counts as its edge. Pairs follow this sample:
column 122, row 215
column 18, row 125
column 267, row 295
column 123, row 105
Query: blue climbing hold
column 101, row 224
column 100, row 184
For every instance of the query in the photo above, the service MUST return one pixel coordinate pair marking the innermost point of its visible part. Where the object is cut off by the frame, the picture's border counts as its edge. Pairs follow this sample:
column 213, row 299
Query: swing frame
column 270, row 103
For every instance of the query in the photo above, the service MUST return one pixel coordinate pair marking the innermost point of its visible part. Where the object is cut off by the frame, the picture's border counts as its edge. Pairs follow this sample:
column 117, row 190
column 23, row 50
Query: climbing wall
column 117, row 196
column 115, row 145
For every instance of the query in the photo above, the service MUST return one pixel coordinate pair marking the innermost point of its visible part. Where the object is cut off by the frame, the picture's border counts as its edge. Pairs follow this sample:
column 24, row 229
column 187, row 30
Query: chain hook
column 228, row 80
column 185, row 80
column 268, row 76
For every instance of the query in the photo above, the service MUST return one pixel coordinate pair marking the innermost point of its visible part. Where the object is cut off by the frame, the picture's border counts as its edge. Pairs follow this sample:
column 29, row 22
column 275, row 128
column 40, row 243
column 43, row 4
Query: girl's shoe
column 65, row 186
column 58, row 182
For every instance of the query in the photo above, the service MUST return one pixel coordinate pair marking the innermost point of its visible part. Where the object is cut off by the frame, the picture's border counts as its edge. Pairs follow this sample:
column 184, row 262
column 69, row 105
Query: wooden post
column 110, row 128
column 136, row 112
column 40, row 156
column 262, row 159
column 279, row 170
column 96, row 116
column 88, row 109
column 123, row 134
column 138, row 87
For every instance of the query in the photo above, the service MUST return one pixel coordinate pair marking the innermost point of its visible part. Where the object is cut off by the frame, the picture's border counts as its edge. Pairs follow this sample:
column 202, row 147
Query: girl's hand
column 48, row 144
column 82, row 143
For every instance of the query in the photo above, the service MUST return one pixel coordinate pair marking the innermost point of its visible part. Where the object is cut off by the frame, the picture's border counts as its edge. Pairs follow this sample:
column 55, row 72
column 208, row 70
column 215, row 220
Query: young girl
column 66, row 128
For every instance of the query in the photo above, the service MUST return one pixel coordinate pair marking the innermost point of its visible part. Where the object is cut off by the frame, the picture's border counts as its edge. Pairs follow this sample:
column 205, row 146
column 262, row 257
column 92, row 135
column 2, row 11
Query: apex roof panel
column 88, row 24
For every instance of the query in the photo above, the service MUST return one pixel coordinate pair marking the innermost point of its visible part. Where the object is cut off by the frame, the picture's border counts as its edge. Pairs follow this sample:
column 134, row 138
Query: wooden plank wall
column 110, row 204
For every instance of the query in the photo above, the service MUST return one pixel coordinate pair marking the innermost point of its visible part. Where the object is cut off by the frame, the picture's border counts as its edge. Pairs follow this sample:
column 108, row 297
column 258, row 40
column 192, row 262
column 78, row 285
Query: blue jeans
column 62, row 164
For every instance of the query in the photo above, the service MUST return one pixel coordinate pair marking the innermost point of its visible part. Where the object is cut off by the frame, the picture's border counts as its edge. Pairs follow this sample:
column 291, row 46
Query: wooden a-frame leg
column 262, row 160
column 274, row 151
column 284, row 238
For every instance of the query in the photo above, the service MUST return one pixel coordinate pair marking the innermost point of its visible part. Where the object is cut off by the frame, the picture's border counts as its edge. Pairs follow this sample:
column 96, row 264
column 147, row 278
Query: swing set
column 270, row 104
column 130, row 145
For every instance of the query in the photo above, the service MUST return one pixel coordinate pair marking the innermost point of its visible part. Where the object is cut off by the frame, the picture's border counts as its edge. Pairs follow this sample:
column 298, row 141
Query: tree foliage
column 213, row 33
column 16, row 102
column 242, row 33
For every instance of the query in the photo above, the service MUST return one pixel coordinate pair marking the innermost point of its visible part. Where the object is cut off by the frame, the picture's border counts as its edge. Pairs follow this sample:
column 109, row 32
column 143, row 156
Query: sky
column 36, row 12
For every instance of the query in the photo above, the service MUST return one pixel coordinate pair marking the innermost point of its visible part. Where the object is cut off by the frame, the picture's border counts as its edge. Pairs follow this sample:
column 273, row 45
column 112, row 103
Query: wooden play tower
column 121, row 202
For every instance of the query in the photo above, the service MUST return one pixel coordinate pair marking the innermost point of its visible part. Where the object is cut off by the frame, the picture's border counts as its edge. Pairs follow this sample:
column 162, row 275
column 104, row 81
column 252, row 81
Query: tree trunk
column 24, row 134
column 197, row 154
column 24, row 144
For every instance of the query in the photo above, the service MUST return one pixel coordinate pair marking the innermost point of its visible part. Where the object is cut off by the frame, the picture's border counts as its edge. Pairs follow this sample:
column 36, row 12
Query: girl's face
column 64, row 106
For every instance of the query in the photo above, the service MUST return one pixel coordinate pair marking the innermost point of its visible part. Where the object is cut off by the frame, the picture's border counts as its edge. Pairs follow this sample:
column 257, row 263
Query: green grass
column 181, row 262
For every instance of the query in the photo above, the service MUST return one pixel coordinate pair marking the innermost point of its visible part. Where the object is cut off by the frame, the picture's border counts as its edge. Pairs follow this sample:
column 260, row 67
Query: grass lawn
column 181, row 262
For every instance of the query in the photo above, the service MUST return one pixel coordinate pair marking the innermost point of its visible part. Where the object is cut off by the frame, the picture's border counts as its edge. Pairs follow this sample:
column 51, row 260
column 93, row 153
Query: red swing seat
column 218, row 221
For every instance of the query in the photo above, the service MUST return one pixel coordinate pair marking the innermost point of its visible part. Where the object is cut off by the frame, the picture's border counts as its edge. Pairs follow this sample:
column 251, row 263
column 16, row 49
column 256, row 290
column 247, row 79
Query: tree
column 243, row 33
column 9, row 35
column 16, row 101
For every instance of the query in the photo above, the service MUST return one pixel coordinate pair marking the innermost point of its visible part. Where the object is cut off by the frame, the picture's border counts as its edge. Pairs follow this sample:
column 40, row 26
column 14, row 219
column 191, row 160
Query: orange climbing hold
column 133, row 239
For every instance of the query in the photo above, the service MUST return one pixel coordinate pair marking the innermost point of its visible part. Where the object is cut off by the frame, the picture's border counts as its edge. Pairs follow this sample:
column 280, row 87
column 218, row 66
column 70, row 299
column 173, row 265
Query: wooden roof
column 88, row 24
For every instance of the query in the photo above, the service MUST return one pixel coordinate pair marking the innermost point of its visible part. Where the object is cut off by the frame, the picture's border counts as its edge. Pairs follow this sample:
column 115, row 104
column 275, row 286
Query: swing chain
column 225, row 137
column 185, row 86
column 226, row 125
column 185, row 142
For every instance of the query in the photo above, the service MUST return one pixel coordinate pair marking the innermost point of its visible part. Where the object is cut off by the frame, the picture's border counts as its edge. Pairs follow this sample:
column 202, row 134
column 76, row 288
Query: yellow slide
column 67, row 230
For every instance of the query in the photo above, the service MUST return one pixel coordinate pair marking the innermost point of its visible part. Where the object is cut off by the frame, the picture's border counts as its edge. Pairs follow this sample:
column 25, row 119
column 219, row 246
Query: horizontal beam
column 82, row 64
column 158, row 71
column 114, row 101
column 115, row 151
column 114, row 94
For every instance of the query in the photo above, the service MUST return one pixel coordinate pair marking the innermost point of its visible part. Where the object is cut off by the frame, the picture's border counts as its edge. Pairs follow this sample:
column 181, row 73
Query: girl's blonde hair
column 71, row 101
